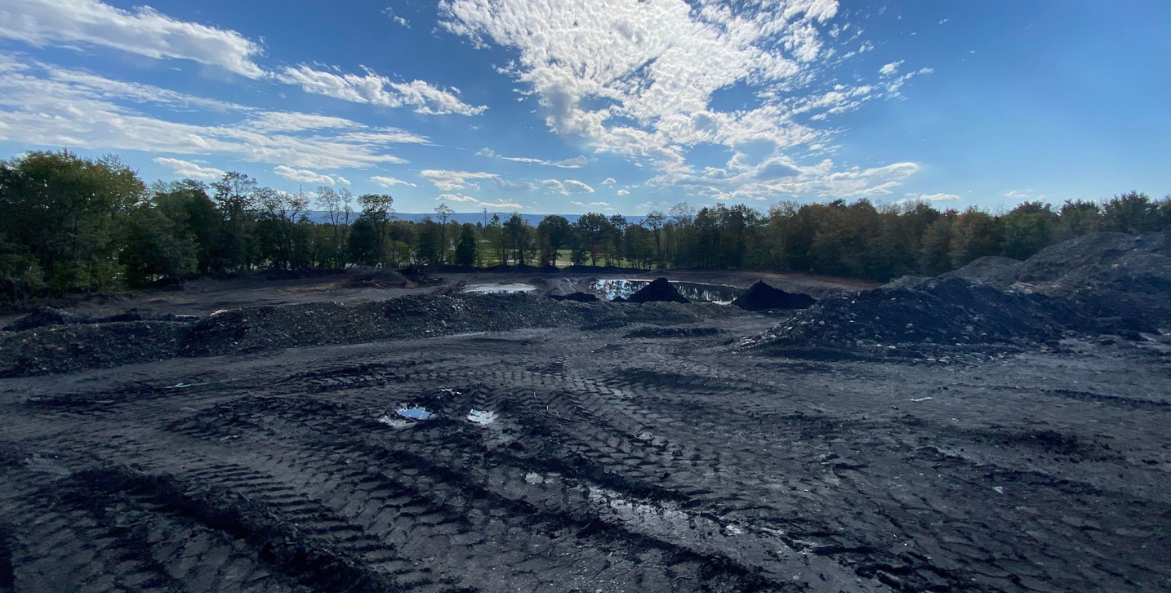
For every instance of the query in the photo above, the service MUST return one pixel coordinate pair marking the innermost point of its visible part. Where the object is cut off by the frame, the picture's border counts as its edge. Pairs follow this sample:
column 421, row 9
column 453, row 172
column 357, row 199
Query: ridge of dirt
column 64, row 348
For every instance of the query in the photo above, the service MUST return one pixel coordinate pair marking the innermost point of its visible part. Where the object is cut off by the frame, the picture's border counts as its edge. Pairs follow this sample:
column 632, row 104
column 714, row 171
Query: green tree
column 1130, row 213
column 553, row 233
column 156, row 247
column 465, row 248
column 520, row 237
column 67, row 213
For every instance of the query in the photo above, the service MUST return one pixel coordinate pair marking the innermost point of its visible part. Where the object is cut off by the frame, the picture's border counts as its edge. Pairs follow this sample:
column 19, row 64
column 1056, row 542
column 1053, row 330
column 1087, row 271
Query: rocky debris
column 942, row 317
column 660, row 290
column 761, row 297
column 580, row 297
column 376, row 278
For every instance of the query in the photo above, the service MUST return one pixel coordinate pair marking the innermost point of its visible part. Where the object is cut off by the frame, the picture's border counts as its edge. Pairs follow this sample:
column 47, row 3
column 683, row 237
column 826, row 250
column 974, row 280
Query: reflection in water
column 500, row 288
column 693, row 291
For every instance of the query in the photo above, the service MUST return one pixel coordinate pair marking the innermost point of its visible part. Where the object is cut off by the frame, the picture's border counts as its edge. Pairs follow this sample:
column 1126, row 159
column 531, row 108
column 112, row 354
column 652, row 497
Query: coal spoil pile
column 660, row 290
column 762, row 297
column 937, row 318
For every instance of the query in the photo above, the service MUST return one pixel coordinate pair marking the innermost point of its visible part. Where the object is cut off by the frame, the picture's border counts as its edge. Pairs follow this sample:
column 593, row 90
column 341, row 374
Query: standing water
column 693, row 291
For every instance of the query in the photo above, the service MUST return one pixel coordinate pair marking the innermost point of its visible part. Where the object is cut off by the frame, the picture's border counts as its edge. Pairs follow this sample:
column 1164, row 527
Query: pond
column 693, row 291
column 500, row 288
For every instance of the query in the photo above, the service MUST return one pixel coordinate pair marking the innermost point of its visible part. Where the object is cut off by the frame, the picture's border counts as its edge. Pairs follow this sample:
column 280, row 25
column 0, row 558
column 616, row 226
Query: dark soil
column 649, row 459
column 762, row 297
column 502, row 443
column 580, row 297
column 376, row 278
column 659, row 290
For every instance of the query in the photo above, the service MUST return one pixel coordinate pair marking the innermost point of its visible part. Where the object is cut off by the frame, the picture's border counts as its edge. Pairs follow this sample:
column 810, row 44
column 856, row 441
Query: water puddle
column 404, row 417
column 499, row 288
column 481, row 417
column 694, row 291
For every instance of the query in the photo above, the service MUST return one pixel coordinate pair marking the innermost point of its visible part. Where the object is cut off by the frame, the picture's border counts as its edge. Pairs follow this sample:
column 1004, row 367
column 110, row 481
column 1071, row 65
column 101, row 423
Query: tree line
column 69, row 223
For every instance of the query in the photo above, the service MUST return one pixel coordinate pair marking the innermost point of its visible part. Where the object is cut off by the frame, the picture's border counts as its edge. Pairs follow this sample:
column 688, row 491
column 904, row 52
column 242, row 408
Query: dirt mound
column 420, row 275
column 580, row 297
column 943, row 316
column 761, row 297
column 101, row 345
column 376, row 278
column 660, row 290
column 1091, row 261
column 43, row 317
column 995, row 270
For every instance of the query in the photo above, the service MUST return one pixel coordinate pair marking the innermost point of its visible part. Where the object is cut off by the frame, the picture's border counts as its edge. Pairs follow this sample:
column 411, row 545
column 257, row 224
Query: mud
column 659, row 290
column 631, row 449
column 762, row 297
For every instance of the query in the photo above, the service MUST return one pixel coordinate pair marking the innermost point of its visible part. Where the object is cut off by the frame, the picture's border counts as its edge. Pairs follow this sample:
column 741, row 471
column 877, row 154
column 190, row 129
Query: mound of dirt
column 580, row 297
column 100, row 345
column 761, row 297
column 942, row 316
column 43, row 317
column 376, row 278
column 660, row 290
column 420, row 275
column 1112, row 260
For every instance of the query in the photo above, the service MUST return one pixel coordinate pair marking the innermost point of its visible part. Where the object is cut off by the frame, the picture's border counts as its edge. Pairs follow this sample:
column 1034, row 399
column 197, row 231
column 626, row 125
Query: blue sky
column 569, row 106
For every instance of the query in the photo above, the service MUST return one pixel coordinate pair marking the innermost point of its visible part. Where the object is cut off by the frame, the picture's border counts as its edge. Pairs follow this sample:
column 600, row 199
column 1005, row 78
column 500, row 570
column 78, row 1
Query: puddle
column 404, row 417
column 414, row 413
column 498, row 288
column 694, row 291
column 481, row 417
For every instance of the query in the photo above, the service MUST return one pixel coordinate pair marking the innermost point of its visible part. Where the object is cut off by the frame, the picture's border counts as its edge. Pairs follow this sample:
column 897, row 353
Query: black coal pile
column 50, row 317
column 1120, row 282
column 762, row 297
column 659, row 291
column 579, row 297
column 43, row 317
column 376, row 278
column 940, row 318
column 420, row 275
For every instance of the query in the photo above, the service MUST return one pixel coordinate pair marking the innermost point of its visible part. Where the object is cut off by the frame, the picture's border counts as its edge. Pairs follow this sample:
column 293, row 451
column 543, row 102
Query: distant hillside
column 472, row 217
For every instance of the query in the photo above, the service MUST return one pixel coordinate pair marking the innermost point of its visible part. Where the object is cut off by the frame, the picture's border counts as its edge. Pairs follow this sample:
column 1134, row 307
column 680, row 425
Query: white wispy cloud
column 445, row 180
column 389, row 181
column 307, row 176
column 609, row 181
column 146, row 32
column 457, row 198
column 376, row 89
column 568, row 186
column 637, row 78
column 191, row 170
column 890, row 69
column 573, row 163
column 940, row 197
column 45, row 105
column 623, row 192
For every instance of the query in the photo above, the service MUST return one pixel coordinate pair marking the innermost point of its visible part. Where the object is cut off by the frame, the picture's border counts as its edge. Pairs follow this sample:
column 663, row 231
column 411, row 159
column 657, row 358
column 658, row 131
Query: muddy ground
column 603, row 447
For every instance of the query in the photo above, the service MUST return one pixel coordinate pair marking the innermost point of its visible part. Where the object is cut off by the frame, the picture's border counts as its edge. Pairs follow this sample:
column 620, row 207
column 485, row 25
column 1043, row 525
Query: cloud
column 740, row 181
column 502, row 204
column 389, row 181
column 912, row 198
column 398, row 20
column 609, row 181
column 304, row 175
column 637, row 78
column 574, row 186
column 457, row 198
column 44, row 105
column 191, row 170
column 145, row 32
column 890, row 69
column 569, row 186
column 454, row 180
column 573, row 163
column 623, row 192
column 378, row 90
